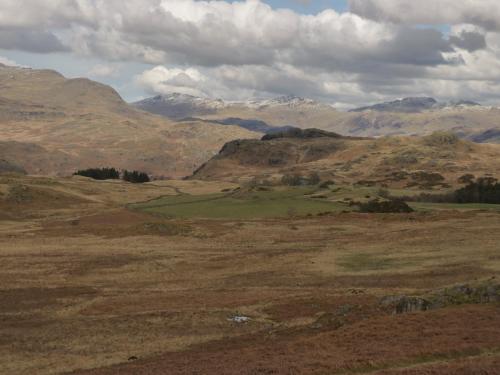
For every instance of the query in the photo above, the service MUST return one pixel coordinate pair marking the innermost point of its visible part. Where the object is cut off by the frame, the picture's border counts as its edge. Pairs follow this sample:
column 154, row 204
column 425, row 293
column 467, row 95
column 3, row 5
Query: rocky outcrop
column 486, row 292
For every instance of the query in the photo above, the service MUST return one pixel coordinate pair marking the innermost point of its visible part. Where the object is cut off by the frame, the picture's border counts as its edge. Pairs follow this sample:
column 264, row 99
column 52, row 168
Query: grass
column 366, row 262
column 241, row 205
column 275, row 203
column 120, row 284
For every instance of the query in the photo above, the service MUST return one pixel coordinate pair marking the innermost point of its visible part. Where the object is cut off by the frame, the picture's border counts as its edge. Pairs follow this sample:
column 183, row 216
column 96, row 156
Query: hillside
column 78, row 123
column 8, row 167
column 408, row 116
column 437, row 160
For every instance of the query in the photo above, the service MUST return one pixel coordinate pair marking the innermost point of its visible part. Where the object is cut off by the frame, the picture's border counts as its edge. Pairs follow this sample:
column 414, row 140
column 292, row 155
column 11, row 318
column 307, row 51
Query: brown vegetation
column 90, row 287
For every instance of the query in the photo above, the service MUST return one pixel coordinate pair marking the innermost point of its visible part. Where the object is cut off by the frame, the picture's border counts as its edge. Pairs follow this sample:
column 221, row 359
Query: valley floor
column 89, row 286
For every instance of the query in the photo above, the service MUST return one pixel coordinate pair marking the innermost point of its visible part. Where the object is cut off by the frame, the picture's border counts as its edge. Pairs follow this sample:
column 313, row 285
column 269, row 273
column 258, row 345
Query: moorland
column 302, row 251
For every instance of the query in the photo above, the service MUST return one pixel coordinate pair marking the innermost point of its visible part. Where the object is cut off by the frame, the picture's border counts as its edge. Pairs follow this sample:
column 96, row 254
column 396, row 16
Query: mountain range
column 52, row 125
column 407, row 116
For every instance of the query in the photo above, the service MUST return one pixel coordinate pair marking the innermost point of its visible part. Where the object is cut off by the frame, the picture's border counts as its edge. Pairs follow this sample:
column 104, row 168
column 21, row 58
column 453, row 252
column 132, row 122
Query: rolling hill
column 434, row 161
column 53, row 125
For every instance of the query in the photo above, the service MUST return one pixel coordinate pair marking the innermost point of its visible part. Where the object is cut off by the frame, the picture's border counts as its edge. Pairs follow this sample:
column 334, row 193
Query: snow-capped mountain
column 290, row 101
column 178, row 106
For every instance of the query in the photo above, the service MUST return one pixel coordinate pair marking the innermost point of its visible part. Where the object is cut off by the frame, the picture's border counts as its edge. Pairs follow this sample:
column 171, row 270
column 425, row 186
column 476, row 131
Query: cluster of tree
column 483, row 190
column 99, row 173
column 480, row 190
column 135, row 177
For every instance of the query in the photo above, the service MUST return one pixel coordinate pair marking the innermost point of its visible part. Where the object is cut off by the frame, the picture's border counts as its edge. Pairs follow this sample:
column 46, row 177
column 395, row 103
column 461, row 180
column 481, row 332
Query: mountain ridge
column 79, row 123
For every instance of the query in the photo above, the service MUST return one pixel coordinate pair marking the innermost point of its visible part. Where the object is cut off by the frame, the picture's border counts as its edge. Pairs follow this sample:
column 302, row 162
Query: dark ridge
column 248, row 124
column 491, row 135
column 301, row 134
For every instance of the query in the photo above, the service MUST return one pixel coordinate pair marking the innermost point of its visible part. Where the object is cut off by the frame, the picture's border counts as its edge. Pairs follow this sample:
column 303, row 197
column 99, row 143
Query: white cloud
column 230, row 49
column 104, row 70
column 8, row 62
column 163, row 80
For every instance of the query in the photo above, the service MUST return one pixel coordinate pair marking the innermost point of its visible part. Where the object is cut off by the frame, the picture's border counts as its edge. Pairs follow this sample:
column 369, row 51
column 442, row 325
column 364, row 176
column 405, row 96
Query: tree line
column 480, row 190
column 135, row 177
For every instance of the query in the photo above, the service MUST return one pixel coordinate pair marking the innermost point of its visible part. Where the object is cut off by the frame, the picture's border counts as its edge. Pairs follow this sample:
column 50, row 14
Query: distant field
column 242, row 205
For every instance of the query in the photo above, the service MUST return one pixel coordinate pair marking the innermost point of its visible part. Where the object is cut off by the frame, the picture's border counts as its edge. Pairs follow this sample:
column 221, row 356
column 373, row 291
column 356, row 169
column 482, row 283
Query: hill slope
column 91, row 125
column 437, row 160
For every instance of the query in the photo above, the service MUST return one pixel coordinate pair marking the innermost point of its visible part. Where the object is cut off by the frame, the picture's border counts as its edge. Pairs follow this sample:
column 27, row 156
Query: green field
column 277, row 202
column 242, row 205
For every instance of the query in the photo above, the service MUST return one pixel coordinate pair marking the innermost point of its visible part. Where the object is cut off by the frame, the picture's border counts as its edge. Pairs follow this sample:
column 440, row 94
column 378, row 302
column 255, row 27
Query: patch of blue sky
column 309, row 6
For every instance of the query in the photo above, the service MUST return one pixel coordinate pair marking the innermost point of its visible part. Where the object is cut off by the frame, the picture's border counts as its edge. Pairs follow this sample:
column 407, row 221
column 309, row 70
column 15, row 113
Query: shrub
column 292, row 180
column 388, row 206
column 466, row 178
column 326, row 184
column 438, row 139
column 298, row 180
column 314, row 178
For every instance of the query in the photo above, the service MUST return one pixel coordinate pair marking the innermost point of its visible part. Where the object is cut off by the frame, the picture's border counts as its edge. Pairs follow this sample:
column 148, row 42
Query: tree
column 135, row 177
column 99, row 173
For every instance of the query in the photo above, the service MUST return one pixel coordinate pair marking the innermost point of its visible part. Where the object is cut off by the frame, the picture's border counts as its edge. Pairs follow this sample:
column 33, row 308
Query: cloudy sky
column 348, row 52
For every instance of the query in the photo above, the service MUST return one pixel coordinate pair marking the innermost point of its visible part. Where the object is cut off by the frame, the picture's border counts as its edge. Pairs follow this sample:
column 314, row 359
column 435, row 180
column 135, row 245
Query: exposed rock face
column 464, row 294
column 457, row 295
column 405, row 304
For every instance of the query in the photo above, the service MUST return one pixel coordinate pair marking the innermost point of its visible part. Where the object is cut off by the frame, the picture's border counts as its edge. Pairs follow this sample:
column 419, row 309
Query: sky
column 344, row 52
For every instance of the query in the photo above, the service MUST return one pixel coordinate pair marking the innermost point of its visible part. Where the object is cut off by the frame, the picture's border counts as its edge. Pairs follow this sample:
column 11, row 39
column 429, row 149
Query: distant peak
column 414, row 104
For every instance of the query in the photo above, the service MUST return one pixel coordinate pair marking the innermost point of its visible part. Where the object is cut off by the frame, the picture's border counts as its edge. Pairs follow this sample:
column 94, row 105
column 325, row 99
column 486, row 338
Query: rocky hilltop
column 437, row 160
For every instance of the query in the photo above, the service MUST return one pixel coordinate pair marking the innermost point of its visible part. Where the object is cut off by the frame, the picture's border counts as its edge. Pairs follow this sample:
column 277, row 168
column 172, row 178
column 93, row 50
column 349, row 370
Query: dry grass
column 91, row 284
